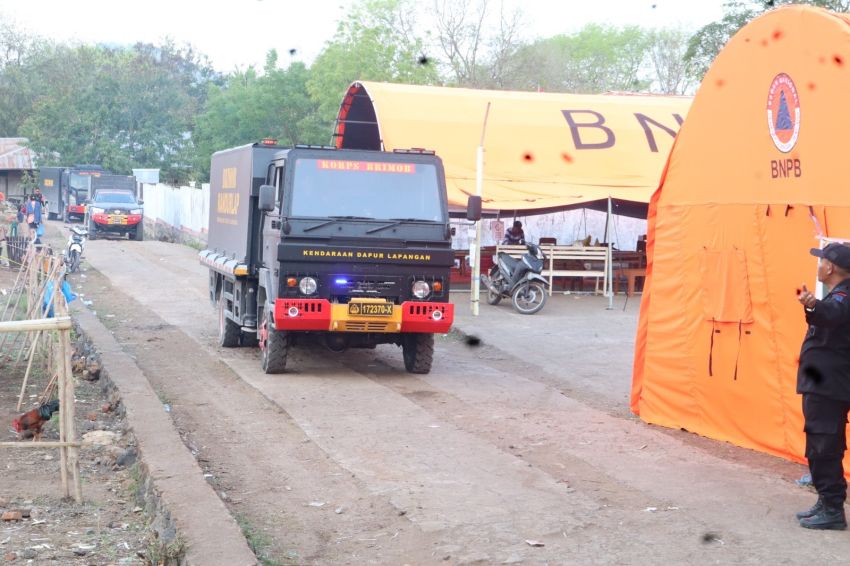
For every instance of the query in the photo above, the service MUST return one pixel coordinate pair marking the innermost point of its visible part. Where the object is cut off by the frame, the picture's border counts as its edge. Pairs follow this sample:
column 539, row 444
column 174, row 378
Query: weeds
column 258, row 542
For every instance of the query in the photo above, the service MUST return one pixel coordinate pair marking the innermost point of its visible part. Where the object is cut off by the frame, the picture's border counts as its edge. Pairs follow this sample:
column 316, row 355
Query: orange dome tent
column 755, row 178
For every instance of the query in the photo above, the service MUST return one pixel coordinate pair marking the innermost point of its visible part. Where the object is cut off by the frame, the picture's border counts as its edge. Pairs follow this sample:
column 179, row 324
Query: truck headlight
column 421, row 289
column 307, row 286
column 136, row 211
column 96, row 210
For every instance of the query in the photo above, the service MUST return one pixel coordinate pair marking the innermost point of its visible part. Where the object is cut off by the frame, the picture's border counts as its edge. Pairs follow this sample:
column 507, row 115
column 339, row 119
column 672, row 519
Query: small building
column 16, row 160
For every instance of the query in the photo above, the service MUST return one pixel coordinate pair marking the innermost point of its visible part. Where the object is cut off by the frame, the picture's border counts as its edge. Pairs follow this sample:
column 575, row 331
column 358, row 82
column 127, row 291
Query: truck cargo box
column 235, row 178
column 50, row 183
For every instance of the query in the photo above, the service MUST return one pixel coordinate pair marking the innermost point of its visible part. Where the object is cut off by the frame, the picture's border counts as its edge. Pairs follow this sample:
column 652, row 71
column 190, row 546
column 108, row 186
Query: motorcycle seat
column 509, row 261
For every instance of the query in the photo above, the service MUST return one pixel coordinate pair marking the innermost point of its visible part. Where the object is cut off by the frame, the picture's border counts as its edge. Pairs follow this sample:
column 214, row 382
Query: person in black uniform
column 823, row 378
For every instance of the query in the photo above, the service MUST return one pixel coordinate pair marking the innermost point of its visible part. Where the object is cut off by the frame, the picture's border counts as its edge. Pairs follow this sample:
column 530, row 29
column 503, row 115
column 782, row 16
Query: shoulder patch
column 839, row 296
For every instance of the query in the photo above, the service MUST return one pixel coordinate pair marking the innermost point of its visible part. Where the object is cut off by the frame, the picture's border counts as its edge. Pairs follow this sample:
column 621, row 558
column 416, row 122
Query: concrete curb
column 202, row 520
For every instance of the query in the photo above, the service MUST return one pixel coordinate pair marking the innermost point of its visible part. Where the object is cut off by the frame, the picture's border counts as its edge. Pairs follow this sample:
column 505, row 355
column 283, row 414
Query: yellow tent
column 756, row 179
column 543, row 151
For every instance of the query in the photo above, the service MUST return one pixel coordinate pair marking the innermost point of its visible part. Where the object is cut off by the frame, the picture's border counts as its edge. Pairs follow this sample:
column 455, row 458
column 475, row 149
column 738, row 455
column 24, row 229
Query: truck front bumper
column 322, row 315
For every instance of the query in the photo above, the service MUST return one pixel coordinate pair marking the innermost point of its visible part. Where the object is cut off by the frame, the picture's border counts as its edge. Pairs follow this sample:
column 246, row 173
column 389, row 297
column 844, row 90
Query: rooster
column 29, row 424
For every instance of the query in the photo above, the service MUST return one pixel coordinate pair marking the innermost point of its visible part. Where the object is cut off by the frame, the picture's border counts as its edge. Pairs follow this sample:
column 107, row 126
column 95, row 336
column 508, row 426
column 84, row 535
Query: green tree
column 376, row 42
column 707, row 42
column 667, row 58
column 596, row 59
column 252, row 106
column 477, row 51
column 120, row 108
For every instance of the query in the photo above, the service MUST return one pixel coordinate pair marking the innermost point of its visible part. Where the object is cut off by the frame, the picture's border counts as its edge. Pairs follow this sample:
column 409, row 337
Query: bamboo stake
column 51, row 385
column 70, row 435
column 31, row 357
column 38, row 325
column 64, row 408
column 38, row 312
column 40, row 444
column 15, row 297
column 16, row 287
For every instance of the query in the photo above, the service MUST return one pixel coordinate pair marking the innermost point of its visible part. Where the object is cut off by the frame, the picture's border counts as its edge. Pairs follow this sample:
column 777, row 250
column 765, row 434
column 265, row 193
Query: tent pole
column 476, row 253
column 610, row 275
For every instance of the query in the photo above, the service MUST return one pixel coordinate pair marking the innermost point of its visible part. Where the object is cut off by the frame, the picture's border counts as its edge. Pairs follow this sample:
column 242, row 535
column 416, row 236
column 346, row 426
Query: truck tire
column 275, row 348
column 139, row 233
column 418, row 352
column 92, row 231
column 228, row 331
column 249, row 340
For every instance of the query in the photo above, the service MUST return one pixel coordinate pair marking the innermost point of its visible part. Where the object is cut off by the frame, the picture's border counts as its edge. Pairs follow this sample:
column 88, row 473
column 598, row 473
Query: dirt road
column 347, row 459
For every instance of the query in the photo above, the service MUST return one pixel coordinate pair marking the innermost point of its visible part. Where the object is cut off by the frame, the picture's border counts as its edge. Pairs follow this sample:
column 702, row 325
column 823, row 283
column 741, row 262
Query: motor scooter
column 74, row 248
column 519, row 279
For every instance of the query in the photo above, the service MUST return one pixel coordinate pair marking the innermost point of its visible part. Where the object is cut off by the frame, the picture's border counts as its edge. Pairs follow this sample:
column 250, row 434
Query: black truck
column 352, row 246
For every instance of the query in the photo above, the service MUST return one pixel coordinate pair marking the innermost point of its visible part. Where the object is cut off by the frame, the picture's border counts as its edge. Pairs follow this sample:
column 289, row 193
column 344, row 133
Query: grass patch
column 258, row 542
column 166, row 554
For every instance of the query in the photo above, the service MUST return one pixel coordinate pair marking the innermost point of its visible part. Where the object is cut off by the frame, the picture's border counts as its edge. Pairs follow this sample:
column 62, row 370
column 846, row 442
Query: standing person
column 823, row 378
column 514, row 235
column 33, row 215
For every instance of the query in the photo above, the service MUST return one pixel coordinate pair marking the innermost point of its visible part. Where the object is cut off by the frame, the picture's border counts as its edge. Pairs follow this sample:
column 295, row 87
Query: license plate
column 117, row 219
column 370, row 309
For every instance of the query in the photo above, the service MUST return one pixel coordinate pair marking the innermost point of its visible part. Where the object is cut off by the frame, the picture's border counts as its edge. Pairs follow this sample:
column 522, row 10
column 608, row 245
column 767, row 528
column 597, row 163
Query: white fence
column 177, row 213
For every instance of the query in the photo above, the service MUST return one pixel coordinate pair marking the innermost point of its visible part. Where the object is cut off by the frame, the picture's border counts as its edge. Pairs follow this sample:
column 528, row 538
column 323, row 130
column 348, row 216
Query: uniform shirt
column 825, row 354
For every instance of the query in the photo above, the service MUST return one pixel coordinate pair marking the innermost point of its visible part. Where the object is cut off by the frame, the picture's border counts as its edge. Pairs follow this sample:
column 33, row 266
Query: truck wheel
column 228, row 331
column 275, row 347
column 249, row 340
column 139, row 234
column 92, row 231
column 418, row 351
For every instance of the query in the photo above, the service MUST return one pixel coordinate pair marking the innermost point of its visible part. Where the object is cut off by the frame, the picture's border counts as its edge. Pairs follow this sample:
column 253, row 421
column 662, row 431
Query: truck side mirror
column 266, row 201
column 473, row 208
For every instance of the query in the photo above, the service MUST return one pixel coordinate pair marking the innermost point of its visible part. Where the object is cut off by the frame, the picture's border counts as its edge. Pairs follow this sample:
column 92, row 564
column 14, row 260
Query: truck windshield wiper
column 391, row 224
column 334, row 219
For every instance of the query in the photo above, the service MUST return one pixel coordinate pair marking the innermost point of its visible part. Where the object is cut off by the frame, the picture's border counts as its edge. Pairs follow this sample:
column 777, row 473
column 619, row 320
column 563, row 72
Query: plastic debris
column 805, row 480
column 534, row 543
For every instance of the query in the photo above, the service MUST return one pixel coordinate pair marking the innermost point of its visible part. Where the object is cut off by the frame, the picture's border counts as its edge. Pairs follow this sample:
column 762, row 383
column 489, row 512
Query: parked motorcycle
column 74, row 248
column 519, row 279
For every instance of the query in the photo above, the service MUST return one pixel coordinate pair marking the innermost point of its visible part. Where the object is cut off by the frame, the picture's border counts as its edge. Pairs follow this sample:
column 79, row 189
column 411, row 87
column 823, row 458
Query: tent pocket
column 725, row 292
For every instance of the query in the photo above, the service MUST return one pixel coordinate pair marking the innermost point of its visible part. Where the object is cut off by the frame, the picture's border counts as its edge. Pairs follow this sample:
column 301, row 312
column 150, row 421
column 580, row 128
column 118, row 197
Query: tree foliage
column 707, row 42
column 120, row 108
column 376, row 42
column 252, row 106
column 596, row 59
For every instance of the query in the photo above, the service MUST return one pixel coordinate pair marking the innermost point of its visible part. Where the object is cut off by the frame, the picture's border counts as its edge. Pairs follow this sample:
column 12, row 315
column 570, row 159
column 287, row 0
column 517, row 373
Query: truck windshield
column 366, row 189
column 119, row 197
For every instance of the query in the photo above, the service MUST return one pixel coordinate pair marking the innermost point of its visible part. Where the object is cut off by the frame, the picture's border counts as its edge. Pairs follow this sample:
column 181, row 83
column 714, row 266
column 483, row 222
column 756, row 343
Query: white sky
column 238, row 33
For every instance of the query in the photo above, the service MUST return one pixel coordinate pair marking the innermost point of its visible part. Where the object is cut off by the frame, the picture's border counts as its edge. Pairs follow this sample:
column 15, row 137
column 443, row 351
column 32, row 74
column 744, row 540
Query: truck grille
column 367, row 286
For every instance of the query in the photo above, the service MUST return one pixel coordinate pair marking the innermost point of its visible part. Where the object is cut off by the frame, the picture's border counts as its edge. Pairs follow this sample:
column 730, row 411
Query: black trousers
column 825, row 427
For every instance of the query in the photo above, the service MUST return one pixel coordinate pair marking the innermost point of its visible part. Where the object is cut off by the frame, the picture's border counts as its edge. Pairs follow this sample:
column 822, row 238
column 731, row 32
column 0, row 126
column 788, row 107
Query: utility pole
column 476, row 252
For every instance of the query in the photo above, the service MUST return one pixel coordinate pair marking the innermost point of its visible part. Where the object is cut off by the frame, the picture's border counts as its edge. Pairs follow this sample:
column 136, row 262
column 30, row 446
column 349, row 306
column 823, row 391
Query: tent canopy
column 543, row 151
column 755, row 178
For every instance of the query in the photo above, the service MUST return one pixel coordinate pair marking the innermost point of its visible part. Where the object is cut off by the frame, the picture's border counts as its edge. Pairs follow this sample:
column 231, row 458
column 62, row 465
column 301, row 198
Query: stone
column 100, row 438
column 11, row 516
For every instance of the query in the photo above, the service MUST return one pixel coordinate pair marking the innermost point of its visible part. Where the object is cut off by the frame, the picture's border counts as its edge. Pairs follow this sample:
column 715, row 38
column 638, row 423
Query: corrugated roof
column 14, row 155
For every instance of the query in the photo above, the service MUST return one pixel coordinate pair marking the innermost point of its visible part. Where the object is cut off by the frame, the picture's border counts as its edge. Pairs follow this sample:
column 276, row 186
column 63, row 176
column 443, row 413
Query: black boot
column 814, row 510
column 829, row 518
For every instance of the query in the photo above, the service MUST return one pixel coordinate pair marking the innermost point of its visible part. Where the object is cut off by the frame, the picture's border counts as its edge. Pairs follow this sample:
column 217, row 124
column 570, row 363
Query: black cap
column 839, row 254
